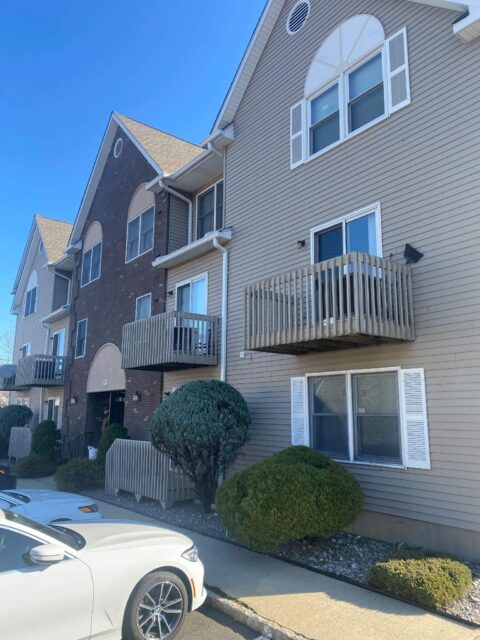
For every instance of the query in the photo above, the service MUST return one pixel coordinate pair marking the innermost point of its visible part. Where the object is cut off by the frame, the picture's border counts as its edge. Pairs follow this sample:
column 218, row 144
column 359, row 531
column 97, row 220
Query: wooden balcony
column 8, row 383
column 41, row 371
column 345, row 302
column 170, row 341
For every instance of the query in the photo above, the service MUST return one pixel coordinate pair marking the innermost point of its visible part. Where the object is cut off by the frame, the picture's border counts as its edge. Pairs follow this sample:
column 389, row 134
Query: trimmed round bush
column 46, row 440
column 78, row 474
column 202, row 426
column 433, row 581
column 111, row 433
column 294, row 494
column 34, row 466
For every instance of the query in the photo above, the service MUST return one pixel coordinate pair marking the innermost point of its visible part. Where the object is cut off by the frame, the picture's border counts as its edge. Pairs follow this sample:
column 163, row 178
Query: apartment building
column 341, row 265
column 41, row 305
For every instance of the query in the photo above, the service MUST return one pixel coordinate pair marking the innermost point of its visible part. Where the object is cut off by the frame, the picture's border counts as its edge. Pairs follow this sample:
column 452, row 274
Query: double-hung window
column 140, row 234
column 25, row 350
column 366, row 94
column 81, row 340
column 31, row 302
column 356, row 416
column 210, row 210
column 325, row 120
column 91, row 267
column 143, row 308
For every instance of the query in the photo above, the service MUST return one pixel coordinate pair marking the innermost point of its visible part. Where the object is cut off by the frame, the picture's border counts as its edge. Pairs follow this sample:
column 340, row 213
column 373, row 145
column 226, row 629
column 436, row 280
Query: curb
column 248, row 617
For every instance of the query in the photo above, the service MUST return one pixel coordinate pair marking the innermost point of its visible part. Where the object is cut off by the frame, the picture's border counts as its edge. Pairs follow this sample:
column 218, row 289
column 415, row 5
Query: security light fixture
column 301, row 243
column 411, row 254
column 137, row 396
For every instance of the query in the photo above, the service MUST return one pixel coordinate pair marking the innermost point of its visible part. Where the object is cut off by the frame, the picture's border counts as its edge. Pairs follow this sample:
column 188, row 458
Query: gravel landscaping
column 345, row 555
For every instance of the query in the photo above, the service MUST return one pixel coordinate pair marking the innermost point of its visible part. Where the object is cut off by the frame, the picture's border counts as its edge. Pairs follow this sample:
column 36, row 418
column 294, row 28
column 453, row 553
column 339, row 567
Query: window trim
column 28, row 349
column 90, row 280
column 202, row 193
column 145, row 295
column 35, row 309
column 56, row 333
column 139, row 255
column 375, row 208
column 183, row 283
column 348, row 373
column 343, row 95
column 77, row 357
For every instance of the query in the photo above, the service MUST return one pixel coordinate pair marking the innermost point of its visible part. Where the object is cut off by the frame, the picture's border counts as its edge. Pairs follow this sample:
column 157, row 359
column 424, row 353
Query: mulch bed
column 345, row 555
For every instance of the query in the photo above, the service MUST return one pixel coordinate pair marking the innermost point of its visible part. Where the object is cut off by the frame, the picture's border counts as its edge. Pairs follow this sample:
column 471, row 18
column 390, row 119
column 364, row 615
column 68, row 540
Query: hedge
column 34, row 466
column 78, row 474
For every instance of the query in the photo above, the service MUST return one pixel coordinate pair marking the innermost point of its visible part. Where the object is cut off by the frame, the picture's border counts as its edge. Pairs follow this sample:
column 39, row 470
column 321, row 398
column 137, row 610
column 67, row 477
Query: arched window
column 31, row 299
column 92, row 254
column 141, row 224
column 356, row 79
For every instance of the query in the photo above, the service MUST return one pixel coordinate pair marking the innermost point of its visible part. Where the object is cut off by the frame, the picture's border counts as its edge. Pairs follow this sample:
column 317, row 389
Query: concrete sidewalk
column 310, row 604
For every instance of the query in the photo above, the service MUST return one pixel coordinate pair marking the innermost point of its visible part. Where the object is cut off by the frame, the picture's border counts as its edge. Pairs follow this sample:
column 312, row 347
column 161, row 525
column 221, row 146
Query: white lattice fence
column 20, row 442
column 136, row 466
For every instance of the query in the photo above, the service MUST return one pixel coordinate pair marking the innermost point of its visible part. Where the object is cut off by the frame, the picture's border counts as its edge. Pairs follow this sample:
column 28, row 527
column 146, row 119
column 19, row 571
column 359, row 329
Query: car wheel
column 157, row 608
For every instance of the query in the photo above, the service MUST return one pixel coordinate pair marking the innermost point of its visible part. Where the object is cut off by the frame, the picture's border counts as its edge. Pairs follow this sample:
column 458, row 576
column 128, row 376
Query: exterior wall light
column 74, row 400
column 137, row 396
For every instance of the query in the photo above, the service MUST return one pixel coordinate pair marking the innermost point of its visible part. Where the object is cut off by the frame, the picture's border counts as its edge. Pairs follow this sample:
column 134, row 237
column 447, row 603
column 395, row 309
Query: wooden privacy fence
column 137, row 467
column 20, row 442
column 353, row 294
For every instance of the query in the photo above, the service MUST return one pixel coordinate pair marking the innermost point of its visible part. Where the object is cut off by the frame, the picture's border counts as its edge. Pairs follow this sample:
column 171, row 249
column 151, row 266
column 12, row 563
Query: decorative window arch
column 31, row 298
column 140, row 223
column 92, row 254
column 357, row 78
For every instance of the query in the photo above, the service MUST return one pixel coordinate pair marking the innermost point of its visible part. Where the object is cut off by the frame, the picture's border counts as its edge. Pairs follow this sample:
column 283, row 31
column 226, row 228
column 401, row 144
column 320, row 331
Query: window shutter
column 299, row 412
column 296, row 135
column 415, row 421
column 398, row 72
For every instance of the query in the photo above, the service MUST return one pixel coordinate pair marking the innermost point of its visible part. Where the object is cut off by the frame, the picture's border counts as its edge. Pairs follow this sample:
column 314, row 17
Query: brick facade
column 109, row 302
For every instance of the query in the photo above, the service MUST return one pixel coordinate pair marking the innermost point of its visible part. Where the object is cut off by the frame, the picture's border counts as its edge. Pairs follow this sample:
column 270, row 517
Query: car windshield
column 60, row 534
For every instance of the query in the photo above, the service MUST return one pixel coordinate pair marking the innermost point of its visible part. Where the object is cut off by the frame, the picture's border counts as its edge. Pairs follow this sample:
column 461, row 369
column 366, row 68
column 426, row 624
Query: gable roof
column 258, row 42
column 55, row 235
column 164, row 152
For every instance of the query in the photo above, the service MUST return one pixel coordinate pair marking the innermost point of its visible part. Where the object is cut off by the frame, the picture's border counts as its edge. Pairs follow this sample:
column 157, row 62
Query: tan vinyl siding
column 422, row 165
column 177, row 224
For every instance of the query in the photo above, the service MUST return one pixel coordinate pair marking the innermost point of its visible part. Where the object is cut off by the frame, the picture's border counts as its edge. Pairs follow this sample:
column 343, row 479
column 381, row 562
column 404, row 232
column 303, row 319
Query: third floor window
column 210, row 210
column 91, row 266
column 140, row 232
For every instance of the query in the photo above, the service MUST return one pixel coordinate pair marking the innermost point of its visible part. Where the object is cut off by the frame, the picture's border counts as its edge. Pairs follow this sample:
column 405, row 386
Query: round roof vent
column 298, row 17
column 117, row 149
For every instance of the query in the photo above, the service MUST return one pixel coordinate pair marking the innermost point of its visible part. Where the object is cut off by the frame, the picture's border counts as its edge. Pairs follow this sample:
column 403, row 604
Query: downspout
column 223, row 356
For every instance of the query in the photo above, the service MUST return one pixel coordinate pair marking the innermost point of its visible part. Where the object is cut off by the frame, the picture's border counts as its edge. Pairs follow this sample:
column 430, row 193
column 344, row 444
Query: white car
column 108, row 579
column 47, row 506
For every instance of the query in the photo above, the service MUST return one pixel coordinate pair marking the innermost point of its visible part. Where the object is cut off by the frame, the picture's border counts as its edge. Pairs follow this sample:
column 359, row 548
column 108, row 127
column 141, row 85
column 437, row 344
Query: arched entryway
column 106, row 385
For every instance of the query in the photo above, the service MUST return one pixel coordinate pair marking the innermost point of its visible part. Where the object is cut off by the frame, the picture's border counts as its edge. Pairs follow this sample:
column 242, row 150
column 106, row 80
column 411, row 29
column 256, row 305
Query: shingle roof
column 169, row 152
column 55, row 235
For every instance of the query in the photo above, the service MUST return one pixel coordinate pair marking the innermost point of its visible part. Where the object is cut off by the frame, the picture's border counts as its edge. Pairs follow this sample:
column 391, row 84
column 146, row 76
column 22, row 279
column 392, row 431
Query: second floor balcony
column 170, row 341
column 40, row 371
column 353, row 300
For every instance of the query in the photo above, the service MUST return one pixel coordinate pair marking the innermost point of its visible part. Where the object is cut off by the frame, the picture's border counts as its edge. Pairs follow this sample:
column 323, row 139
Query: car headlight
column 89, row 508
column 191, row 554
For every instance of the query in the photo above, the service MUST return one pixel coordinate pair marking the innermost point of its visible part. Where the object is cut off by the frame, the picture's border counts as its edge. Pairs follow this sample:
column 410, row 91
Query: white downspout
column 223, row 356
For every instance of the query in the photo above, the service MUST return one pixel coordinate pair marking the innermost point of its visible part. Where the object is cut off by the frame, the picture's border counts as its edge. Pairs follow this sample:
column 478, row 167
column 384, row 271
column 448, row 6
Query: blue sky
column 64, row 66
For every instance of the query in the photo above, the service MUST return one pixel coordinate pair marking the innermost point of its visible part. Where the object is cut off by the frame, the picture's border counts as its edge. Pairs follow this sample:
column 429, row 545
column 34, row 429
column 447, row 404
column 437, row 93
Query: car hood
column 45, row 495
column 111, row 534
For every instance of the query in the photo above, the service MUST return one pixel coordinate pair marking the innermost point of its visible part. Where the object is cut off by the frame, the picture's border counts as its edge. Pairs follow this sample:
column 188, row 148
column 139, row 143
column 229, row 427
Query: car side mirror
column 47, row 554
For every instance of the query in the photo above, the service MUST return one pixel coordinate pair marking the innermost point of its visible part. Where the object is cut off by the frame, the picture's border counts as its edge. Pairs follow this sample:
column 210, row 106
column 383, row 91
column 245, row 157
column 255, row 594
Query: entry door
column 192, row 297
column 58, row 347
column 192, row 334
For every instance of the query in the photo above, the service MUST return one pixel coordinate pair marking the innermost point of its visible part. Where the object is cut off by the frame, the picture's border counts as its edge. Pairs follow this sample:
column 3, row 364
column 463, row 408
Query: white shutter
column 296, row 134
column 398, row 72
column 299, row 413
column 415, row 422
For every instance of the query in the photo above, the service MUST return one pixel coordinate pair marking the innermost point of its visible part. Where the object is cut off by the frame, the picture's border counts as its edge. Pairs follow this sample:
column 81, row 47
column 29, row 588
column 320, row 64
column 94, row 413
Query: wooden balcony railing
column 8, row 384
column 344, row 302
column 169, row 341
column 41, row 371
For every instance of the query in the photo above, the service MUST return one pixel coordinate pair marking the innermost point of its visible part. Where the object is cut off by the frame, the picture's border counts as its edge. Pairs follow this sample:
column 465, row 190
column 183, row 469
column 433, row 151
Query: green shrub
column 111, row 433
column 202, row 426
column 291, row 495
column 15, row 415
column 34, row 466
column 79, row 474
column 46, row 440
column 432, row 580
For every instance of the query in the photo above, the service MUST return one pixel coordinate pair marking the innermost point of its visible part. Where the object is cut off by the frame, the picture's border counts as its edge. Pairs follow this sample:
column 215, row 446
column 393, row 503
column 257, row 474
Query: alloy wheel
column 160, row 611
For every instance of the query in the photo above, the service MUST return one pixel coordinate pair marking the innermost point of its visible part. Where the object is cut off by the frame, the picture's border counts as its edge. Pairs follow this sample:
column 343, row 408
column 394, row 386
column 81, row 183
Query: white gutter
column 223, row 356
column 159, row 181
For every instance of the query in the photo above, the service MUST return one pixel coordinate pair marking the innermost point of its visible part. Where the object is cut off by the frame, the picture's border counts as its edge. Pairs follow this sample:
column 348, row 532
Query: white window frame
column 35, row 309
column 343, row 99
column 375, row 208
column 77, row 356
column 178, row 285
column 90, row 279
column 139, row 215
column 28, row 349
column 349, row 373
column 146, row 295
column 197, row 198
column 56, row 333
